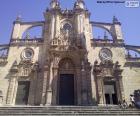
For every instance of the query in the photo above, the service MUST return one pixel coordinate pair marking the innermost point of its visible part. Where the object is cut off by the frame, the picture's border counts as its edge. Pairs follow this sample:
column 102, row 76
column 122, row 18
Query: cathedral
column 67, row 65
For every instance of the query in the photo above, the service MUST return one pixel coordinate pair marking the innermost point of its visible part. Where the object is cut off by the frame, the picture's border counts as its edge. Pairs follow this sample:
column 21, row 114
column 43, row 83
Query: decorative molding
column 107, row 69
column 102, row 23
column 100, row 43
column 24, row 42
column 33, row 23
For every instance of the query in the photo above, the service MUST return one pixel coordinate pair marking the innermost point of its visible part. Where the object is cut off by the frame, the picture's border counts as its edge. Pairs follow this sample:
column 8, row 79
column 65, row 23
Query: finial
column 105, row 35
column 115, row 20
column 18, row 18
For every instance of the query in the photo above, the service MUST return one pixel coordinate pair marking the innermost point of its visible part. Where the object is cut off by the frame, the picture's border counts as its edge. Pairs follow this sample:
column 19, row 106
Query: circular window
column 105, row 54
column 27, row 54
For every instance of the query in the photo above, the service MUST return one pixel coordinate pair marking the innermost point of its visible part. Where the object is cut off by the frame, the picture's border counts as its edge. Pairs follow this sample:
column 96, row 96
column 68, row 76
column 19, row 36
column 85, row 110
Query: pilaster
column 33, row 86
column 78, row 85
column 54, row 85
column 49, row 89
column 11, row 91
column 84, row 88
column 45, row 82
column 100, row 90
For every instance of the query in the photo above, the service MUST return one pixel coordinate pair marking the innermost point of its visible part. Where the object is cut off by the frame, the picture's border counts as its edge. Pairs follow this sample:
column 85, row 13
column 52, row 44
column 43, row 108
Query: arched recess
column 101, row 33
column 34, row 32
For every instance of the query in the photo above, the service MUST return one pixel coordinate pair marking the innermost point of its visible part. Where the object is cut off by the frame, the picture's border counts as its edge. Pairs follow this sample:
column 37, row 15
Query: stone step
column 67, row 111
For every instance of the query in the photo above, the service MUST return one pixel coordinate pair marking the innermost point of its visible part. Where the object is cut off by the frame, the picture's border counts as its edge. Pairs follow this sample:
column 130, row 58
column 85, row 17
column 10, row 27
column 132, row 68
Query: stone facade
column 102, row 71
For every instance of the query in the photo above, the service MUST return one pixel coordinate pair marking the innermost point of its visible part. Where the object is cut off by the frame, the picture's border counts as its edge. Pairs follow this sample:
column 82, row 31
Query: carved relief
column 25, row 68
column 107, row 69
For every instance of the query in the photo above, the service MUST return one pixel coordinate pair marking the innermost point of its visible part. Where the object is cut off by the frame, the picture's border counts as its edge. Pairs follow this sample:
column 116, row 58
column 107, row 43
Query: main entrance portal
column 66, row 89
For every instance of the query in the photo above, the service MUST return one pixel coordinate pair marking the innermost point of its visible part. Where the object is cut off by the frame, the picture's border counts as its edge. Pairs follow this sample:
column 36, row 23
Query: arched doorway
column 66, row 83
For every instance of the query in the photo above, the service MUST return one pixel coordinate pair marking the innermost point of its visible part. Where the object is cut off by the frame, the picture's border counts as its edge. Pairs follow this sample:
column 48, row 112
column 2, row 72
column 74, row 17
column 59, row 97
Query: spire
column 115, row 20
column 54, row 4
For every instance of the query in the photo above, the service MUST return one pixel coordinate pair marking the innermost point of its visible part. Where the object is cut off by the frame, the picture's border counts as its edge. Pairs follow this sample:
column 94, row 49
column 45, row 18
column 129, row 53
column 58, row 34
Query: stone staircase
column 67, row 111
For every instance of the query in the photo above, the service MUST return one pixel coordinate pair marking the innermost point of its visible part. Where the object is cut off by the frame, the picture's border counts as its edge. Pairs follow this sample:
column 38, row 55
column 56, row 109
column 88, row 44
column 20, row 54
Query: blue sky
column 32, row 10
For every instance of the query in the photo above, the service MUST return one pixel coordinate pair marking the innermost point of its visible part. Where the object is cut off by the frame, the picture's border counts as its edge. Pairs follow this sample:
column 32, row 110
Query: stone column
column 11, row 90
column 49, row 89
column 54, row 85
column 121, row 89
column 100, row 90
column 33, row 87
column 57, row 29
column 77, row 25
column 84, row 87
column 52, row 26
column 78, row 86
column 45, row 81
column 90, row 100
column 31, row 91
column 93, row 88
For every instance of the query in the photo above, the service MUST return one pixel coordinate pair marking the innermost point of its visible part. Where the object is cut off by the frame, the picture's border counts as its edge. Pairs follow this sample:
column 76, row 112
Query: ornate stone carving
column 108, row 72
column 107, row 69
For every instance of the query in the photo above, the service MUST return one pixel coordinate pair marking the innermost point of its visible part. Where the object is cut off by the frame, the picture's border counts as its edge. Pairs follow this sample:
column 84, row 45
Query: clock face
column 105, row 54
